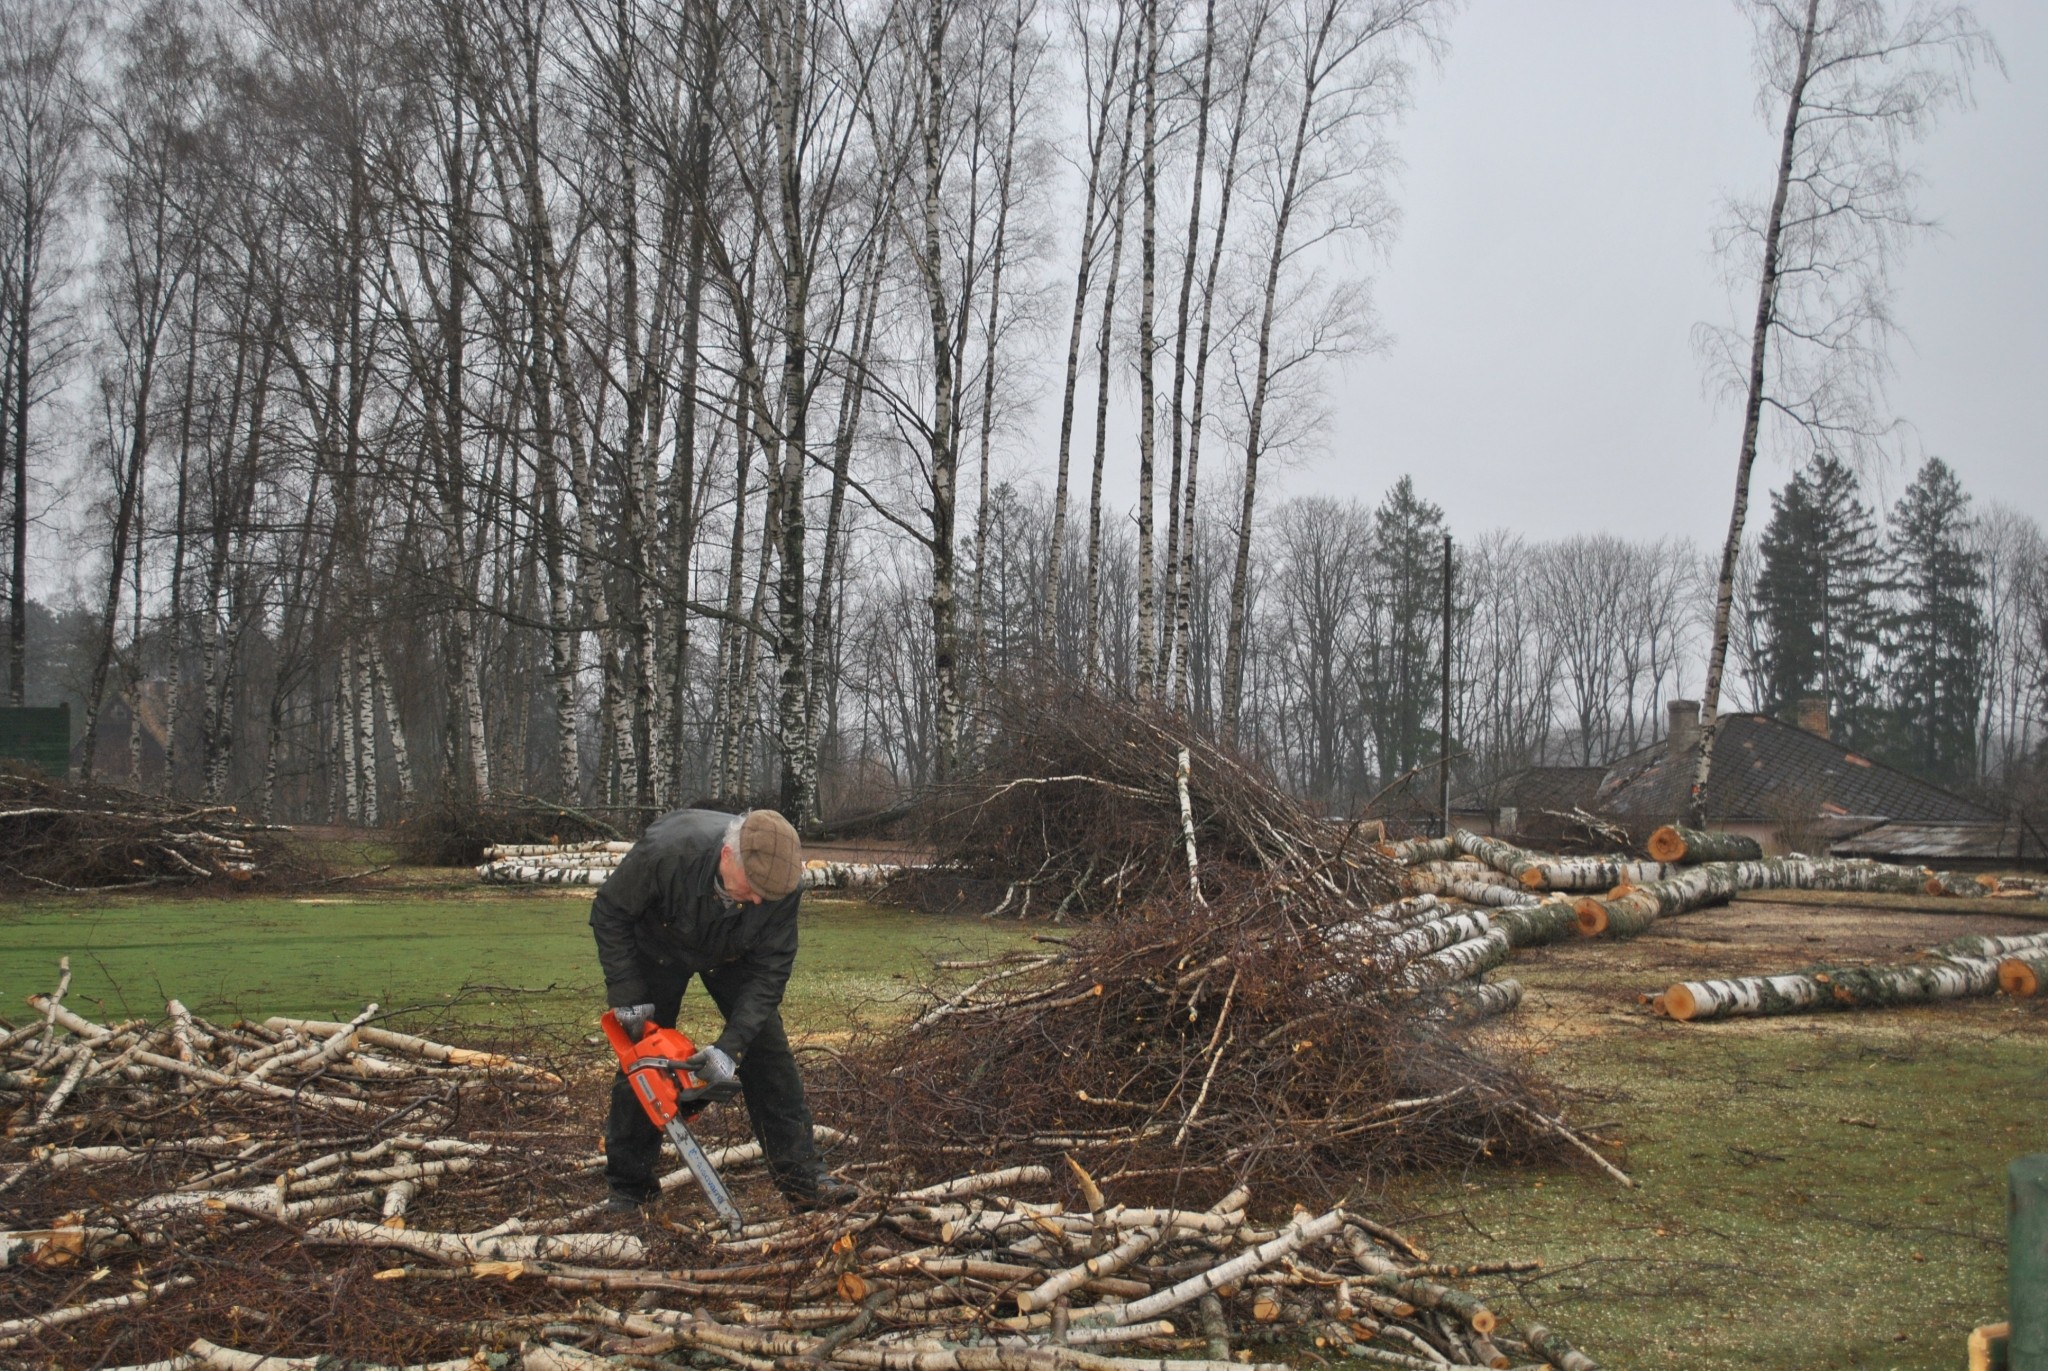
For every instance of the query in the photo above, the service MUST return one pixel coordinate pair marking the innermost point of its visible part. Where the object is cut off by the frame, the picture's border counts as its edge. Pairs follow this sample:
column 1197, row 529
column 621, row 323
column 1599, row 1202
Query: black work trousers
column 769, row 1082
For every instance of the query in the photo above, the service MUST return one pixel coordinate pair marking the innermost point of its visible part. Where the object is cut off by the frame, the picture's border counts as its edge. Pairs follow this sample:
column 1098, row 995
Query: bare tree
column 1847, row 85
column 43, row 171
column 1346, row 70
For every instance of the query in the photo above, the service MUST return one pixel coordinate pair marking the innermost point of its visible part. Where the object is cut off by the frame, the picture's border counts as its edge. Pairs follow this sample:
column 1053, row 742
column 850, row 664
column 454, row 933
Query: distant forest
column 606, row 403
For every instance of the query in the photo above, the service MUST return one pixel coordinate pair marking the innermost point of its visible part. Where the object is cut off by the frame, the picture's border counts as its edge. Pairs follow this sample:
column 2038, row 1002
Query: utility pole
column 1443, row 732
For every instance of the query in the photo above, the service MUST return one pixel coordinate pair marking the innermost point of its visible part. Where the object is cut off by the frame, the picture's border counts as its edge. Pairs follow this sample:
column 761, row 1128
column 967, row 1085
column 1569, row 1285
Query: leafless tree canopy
column 455, row 402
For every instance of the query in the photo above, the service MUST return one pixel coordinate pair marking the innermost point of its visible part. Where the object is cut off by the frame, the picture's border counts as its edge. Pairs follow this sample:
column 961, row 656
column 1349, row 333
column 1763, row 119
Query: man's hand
column 633, row 1018
column 713, row 1067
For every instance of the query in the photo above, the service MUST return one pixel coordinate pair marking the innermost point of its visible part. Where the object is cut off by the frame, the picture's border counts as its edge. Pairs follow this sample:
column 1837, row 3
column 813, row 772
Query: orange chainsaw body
column 654, row 1065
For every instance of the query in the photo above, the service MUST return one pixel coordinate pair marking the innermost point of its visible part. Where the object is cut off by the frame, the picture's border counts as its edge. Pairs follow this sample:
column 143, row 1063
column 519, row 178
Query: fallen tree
column 1957, row 970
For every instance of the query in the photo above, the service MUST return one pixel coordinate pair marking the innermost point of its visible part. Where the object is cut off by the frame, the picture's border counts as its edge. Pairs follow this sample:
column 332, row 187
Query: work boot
column 619, row 1202
column 822, row 1191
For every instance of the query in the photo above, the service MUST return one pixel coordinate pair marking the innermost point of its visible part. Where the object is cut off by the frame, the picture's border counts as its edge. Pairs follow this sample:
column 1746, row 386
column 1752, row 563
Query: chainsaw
column 670, row 1095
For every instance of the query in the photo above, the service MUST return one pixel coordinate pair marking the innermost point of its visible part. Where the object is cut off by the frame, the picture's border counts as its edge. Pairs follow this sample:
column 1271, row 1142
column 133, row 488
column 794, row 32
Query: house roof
column 1535, row 789
column 1768, row 771
column 1936, row 844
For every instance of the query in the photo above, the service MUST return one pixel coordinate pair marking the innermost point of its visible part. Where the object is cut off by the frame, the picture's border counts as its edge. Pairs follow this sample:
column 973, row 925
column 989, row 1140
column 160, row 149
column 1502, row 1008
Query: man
column 715, row 896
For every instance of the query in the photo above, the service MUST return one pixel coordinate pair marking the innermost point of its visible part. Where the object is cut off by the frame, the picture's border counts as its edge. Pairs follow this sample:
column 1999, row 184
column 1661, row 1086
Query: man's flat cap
column 770, row 854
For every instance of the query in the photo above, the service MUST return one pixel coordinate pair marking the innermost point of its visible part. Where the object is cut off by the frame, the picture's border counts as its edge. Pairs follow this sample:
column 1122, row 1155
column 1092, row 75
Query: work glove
column 633, row 1018
column 712, row 1066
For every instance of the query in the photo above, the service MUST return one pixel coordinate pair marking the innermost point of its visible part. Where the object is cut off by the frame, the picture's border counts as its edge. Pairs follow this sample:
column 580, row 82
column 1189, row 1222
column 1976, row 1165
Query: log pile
column 588, row 864
column 66, row 836
column 295, row 1194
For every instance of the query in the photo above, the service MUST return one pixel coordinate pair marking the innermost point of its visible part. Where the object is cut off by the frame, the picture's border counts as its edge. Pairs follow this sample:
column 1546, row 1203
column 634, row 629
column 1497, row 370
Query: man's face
column 732, row 878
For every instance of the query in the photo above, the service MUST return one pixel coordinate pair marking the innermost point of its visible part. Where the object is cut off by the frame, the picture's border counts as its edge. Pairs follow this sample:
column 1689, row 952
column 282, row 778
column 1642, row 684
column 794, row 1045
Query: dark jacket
column 661, row 908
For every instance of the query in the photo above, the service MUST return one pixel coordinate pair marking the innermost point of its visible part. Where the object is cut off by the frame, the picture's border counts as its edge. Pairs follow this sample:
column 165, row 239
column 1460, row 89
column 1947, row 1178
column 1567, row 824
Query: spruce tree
column 1818, row 597
column 1936, row 635
column 1398, row 672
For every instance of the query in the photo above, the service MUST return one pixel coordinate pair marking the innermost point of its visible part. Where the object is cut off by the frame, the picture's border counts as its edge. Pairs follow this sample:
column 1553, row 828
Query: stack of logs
column 219, row 1170
column 1538, row 897
column 590, row 863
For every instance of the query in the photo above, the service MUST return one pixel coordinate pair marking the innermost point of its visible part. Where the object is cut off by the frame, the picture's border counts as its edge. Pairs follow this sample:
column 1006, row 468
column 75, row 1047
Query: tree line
column 555, row 396
column 610, row 402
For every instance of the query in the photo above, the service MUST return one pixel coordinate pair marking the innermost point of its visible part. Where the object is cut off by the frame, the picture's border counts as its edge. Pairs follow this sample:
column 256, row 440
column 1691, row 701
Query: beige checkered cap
column 770, row 853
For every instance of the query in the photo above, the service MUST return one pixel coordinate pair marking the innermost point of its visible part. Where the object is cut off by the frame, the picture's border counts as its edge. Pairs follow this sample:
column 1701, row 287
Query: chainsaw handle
column 622, row 1042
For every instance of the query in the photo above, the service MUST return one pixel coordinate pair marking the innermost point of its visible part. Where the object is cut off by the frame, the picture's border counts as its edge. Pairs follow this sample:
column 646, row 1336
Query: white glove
column 633, row 1018
column 712, row 1066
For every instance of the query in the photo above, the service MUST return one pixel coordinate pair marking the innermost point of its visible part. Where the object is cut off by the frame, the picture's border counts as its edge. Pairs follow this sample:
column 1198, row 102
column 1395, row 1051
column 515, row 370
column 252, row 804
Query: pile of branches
column 1275, row 1032
column 209, row 1195
column 1085, row 805
column 457, row 832
column 76, row 836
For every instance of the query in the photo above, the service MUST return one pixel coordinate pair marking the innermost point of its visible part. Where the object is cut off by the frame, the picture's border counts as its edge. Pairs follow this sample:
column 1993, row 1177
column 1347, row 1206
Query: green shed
column 39, row 737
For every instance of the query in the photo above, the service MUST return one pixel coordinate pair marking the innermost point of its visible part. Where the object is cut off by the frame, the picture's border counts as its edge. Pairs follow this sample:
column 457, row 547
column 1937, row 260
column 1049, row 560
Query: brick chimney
column 1813, row 714
column 1685, row 728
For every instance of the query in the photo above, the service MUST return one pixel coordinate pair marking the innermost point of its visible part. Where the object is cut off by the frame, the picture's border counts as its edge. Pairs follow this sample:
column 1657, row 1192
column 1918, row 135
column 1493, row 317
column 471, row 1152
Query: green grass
column 1815, row 1193
column 524, row 955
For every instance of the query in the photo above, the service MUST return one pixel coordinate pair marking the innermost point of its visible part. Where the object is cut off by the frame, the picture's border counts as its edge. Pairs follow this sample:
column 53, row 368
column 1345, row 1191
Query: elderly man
column 714, row 896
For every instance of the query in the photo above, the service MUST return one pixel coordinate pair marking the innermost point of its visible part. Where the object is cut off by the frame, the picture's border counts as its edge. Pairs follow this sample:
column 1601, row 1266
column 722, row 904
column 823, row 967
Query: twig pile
column 59, row 835
column 209, row 1196
column 1086, row 806
column 457, row 831
column 1275, row 1033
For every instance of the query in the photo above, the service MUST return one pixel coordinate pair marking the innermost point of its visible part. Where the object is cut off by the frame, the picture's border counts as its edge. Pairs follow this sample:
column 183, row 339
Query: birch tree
column 1847, row 85
column 43, row 174
column 1344, row 71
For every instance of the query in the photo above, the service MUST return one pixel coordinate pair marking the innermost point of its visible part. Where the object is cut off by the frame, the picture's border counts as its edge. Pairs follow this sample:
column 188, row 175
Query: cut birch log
column 2022, row 976
column 1492, row 896
column 1303, row 1229
column 1855, row 987
column 1459, row 962
column 1951, row 978
column 462, row 1249
column 1505, row 858
column 1629, row 914
column 1412, row 850
column 1555, row 1350
column 1978, row 945
column 414, row 1046
column 1717, row 882
column 1530, row 925
column 499, row 850
column 1473, row 1003
column 1960, row 885
column 1593, row 873
column 1672, row 843
column 1745, row 997
column 1423, row 939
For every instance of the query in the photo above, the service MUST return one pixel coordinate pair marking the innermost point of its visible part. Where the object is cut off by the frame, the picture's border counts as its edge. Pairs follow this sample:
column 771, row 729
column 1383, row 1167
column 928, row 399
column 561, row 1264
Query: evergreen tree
column 1935, row 648
column 1817, row 595
column 1403, row 635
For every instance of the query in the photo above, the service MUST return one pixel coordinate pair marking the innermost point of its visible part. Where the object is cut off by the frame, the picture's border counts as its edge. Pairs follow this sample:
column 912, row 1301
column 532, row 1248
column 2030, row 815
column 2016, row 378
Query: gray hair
column 731, row 842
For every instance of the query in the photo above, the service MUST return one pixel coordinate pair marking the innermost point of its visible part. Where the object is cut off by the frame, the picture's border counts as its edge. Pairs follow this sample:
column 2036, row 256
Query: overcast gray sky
column 1563, row 171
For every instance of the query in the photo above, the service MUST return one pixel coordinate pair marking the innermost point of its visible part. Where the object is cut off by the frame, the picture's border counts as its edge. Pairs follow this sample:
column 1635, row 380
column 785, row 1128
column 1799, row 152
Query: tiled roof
column 1556, row 788
column 1933, row 843
column 1767, row 771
